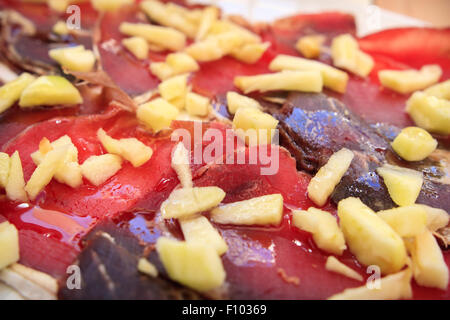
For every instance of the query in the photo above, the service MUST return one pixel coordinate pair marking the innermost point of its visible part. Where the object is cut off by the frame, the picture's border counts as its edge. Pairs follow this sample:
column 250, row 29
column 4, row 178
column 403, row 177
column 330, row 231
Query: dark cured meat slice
column 108, row 266
column 313, row 127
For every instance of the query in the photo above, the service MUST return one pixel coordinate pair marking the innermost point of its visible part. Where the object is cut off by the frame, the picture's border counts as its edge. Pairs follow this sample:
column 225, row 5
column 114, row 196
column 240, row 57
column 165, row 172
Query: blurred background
column 371, row 15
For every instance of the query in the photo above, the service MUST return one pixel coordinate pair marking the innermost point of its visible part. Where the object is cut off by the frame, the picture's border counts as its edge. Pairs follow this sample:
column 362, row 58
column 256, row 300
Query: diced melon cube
column 49, row 91
column 407, row 221
column 130, row 149
column 45, row 171
column 307, row 81
column 224, row 26
column 310, row 46
column 138, row 46
column 199, row 229
column 324, row 228
column 174, row 87
column 170, row 15
column 157, row 114
column 10, row 92
column 430, row 269
column 110, row 5
column 181, row 62
column 370, row 238
column 60, row 28
column 436, row 218
column 403, row 184
column 74, row 58
column 392, row 287
column 4, row 169
column 206, row 50
column 15, row 187
column 98, row 169
column 236, row 101
column 326, row 179
column 209, row 16
column 188, row 201
column 265, row 210
column 162, row 70
column 334, row 265
column 180, row 163
column 70, row 171
column 429, row 112
column 9, row 244
column 162, row 36
column 440, row 90
column 414, row 144
column 333, row 78
column 146, row 267
column 250, row 53
column 254, row 126
column 406, row 81
column 347, row 55
column 195, row 265
column 197, row 105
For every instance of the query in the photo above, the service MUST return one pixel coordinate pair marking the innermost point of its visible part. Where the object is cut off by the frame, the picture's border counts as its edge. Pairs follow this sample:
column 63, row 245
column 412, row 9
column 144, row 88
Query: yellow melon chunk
column 406, row 81
column 138, row 46
column 250, row 53
column 60, row 28
column 216, row 46
column 333, row 78
column 74, row 58
column 326, row 179
column 188, row 201
column 181, row 62
column 370, row 238
column 180, row 163
column 236, row 101
column 45, row 171
column 392, row 287
column 195, row 265
column 407, row 221
column 9, row 244
column 430, row 269
column 146, row 267
column 334, row 265
column 324, row 228
column 69, row 172
column 310, row 46
column 157, row 114
column 347, row 55
column 440, row 90
column 224, row 26
column 15, row 187
column 164, row 37
column 131, row 149
column 254, row 126
column 209, row 16
column 10, row 92
column 199, row 229
column 170, row 16
column 197, row 105
column 307, row 81
column 162, row 70
column 429, row 112
column 4, row 169
column 403, row 184
column 49, row 91
column 414, row 144
column 436, row 218
column 110, row 5
column 98, row 169
column 174, row 88
column 265, row 210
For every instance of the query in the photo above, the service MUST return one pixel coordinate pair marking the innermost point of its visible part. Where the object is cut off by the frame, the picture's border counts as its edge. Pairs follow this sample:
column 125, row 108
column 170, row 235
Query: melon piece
column 157, row 114
column 15, row 187
column 110, row 5
column 236, row 101
column 254, row 126
column 9, row 244
column 98, row 169
column 138, row 46
column 74, row 58
column 406, row 81
column 370, row 238
column 10, row 92
column 334, row 265
column 197, row 105
column 347, row 55
column 414, row 144
column 310, row 46
column 188, row 201
column 180, row 163
column 403, row 184
column 266, row 210
column 407, row 221
column 4, row 169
